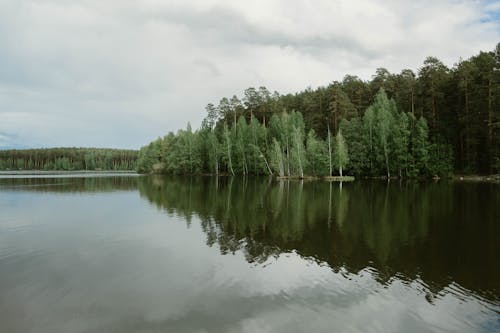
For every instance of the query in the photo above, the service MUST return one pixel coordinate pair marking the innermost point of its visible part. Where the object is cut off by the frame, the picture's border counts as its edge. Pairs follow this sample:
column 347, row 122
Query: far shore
column 63, row 172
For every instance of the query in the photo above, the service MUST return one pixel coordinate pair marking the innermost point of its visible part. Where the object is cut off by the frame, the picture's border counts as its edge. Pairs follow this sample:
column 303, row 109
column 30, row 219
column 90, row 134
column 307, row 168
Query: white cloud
column 119, row 73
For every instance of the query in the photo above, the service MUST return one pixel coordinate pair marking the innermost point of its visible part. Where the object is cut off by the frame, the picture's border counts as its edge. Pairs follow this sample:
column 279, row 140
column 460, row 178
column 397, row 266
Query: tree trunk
column 387, row 165
column 268, row 167
column 287, row 158
column 412, row 101
column 298, row 156
column 433, row 106
column 229, row 153
column 467, row 127
column 490, row 115
column 330, row 150
column 340, row 171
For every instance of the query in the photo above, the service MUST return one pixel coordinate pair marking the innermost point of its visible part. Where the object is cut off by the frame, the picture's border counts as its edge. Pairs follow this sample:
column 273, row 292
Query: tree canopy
column 436, row 121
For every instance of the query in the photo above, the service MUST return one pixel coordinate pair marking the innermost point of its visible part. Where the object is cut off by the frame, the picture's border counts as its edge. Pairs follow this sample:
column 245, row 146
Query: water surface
column 159, row 254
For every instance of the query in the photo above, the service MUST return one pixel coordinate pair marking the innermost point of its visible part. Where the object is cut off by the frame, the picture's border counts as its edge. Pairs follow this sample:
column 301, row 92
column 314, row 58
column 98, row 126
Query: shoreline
column 495, row 178
column 63, row 174
column 477, row 178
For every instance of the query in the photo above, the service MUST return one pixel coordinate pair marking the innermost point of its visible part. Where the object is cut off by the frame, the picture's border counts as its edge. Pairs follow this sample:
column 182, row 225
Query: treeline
column 382, row 142
column 68, row 159
column 458, row 107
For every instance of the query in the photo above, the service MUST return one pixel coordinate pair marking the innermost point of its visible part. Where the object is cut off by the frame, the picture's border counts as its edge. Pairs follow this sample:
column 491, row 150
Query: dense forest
column 68, row 159
column 434, row 122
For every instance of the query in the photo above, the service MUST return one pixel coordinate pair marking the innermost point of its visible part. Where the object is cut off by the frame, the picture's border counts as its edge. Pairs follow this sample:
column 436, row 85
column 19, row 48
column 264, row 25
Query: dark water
column 146, row 254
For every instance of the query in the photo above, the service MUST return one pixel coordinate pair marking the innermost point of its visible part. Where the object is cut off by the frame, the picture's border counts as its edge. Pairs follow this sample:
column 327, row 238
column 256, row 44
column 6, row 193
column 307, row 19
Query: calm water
column 152, row 254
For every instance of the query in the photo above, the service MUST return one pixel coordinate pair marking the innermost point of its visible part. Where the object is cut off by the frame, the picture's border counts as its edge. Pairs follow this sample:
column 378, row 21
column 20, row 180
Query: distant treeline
column 68, row 159
column 434, row 122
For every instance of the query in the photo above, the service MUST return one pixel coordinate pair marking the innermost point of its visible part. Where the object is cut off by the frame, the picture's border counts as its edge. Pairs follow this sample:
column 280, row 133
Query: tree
column 277, row 158
column 378, row 120
column 236, row 107
column 420, row 146
column 298, row 152
column 227, row 149
column 330, row 151
column 213, row 151
column 211, row 117
column 400, row 142
column 465, row 71
column 340, row 106
column 241, row 142
column 341, row 153
column 405, row 93
column 357, row 91
column 432, row 77
column 251, row 100
column 369, row 128
column 316, row 153
column 357, row 145
column 384, row 124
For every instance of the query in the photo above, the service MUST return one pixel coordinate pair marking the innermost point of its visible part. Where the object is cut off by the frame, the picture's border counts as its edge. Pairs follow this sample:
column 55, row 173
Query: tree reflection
column 438, row 232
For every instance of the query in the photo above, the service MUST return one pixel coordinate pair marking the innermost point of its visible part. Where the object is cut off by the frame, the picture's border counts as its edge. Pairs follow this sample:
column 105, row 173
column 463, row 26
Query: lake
column 204, row 254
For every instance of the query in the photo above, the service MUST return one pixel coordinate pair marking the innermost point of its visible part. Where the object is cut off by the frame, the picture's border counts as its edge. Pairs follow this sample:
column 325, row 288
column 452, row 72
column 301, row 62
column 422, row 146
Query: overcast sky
column 120, row 73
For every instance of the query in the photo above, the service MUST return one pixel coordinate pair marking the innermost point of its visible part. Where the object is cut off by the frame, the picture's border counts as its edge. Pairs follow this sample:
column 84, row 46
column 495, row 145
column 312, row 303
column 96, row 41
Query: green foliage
column 341, row 155
column 149, row 157
column 277, row 158
column 420, row 147
column 316, row 155
column 357, row 145
column 68, row 159
column 227, row 150
column 384, row 141
column 440, row 160
column 407, row 125
column 213, row 148
column 400, row 144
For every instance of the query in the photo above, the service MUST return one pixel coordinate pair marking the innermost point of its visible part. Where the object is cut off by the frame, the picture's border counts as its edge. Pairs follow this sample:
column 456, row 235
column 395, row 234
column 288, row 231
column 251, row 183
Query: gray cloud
column 120, row 73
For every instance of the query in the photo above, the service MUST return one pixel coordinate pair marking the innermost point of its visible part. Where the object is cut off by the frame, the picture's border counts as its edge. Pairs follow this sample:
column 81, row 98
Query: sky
column 119, row 73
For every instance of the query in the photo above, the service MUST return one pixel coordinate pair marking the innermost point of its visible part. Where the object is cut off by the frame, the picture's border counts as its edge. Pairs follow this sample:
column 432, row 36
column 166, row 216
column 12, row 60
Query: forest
column 435, row 122
column 66, row 159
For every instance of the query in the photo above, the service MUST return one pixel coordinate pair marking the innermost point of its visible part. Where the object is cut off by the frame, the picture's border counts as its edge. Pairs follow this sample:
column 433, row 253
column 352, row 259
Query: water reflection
column 69, row 184
column 89, row 255
column 443, row 234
